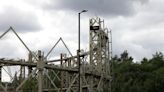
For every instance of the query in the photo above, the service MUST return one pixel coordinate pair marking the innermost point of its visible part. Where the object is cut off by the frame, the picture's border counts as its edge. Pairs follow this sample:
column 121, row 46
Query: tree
column 147, row 76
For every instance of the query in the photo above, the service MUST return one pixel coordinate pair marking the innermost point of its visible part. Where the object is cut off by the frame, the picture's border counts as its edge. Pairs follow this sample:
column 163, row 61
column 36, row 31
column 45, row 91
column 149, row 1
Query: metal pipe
column 78, row 52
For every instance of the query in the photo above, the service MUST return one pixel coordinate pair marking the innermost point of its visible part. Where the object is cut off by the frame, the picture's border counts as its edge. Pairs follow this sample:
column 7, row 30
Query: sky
column 137, row 25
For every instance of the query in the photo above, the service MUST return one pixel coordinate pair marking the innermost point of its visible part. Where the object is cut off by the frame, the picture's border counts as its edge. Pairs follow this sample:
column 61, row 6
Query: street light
column 79, row 46
column 79, row 27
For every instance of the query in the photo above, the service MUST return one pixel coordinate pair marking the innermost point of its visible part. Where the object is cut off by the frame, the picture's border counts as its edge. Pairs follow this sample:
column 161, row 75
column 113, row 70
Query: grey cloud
column 143, row 1
column 134, row 50
column 151, row 40
column 139, row 44
column 101, row 7
column 12, row 50
column 20, row 20
column 56, row 51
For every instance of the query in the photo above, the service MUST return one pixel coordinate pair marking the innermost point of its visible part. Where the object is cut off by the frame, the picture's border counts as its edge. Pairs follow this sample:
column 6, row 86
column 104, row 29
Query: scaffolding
column 43, row 76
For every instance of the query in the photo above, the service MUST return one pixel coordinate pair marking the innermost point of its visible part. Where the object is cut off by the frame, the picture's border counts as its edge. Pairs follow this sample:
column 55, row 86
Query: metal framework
column 61, row 75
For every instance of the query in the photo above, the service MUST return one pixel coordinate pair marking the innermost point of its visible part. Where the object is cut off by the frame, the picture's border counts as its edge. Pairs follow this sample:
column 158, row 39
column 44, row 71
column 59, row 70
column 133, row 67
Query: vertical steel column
column 30, row 60
column 0, row 73
column 61, row 65
column 21, row 78
column 78, row 52
column 40, row 72
column 79, row 48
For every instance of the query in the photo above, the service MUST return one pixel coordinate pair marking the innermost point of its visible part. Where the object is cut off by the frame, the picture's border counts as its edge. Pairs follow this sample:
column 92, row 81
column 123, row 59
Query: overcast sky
column 137, row 25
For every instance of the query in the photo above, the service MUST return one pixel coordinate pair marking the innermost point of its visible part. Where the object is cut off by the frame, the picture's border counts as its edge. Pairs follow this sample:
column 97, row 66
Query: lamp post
column 79, row 47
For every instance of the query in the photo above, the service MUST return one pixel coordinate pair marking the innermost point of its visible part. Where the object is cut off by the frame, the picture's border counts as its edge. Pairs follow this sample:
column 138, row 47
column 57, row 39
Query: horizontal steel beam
column 68, row 58
column 16, row 62
column 21, row 63
column 47, row 66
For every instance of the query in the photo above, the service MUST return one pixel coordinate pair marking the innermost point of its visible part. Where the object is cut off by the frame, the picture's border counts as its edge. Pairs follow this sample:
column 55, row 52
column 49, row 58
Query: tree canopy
column 144, row 76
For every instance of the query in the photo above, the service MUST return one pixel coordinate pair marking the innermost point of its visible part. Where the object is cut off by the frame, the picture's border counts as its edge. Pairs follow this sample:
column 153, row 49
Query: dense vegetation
column 144, row 76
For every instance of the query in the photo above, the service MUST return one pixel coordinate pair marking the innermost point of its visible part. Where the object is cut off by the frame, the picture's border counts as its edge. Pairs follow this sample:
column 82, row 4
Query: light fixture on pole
column 79, row 46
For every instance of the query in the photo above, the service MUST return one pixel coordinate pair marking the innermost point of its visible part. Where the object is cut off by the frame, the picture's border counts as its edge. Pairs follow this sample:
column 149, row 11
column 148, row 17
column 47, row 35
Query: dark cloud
column 20, row 20
column 100, row 7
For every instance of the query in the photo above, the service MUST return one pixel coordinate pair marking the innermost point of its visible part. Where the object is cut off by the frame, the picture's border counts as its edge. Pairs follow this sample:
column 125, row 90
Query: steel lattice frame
column 95, row 66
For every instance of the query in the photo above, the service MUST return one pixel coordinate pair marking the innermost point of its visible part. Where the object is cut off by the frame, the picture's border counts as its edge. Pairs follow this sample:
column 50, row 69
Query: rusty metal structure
column 61, row 75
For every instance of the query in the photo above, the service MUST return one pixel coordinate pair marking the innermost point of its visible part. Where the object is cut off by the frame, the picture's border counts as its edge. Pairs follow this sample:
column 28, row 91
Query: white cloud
column 61, row 23
column 141, row 33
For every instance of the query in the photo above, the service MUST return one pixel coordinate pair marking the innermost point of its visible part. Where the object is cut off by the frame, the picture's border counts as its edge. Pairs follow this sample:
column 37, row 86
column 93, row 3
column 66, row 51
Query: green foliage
column 146, row 76
column 30, row 85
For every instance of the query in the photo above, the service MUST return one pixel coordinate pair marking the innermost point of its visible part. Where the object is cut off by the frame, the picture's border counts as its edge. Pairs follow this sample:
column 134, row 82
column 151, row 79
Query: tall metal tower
column 99, row 50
